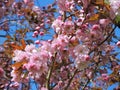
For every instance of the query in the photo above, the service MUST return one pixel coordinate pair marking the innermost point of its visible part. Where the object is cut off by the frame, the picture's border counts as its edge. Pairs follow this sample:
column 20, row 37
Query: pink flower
column 43, row 88
column 15, row 85
column 26, row 1
column 41, row 33
column 81, row 56
column 118, row 43
column 37, row 28
column 81, row 65
column 35, row 32
column 63, row 5
column 20, row 55
column 29, row 48
column 15, row 76
column 33, row 35
column 81, row 49
column 105, row 77
column 96, row 27
column 104, row 21
column 33, row 67
column 37, row 42
column 35, row 57
column 57, row 24
column 93, row 34
column 48, row 21
column 87, row 57
column 115, row 5
column 68, row 27
column 60, row 42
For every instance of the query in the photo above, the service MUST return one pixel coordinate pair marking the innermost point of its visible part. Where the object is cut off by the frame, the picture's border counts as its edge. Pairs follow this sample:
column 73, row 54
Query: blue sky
column 43, row 2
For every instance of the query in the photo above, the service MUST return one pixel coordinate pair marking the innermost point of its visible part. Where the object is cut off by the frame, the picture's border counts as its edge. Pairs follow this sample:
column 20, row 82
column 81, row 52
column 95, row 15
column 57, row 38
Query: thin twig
column 104, row 40
column 107, row 36
column 10, row 20
column 50, row 73
column 70, row 80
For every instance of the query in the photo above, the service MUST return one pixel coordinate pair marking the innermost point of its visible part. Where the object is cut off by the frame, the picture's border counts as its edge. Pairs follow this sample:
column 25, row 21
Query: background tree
column 67, row 45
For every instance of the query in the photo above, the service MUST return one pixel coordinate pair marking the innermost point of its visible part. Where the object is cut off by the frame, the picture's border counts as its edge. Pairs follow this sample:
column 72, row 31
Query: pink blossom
column 87, row 57
column 41, row 33
column 105, row 77
column 33, row 67
column 35, row 32
column 37, row 42
column 81, row 19
column 15, row 85
column 37, row 28
column 33, row 35
column 104, row 22
column 96, row 33
column 42, row 25
column 57, row 24
column 81, row 49
column 63, row 5
column 96, row 27
column 43, row 88
column 26, row 1
column 15, row 76
column 81, row 65
column 60, row 42
column 80, row 34
column 37, row 64
column 90, row 74
column 30, row 48
column 93, row 34
column 68, row 24
column 48, row 22
column 108, row 48
column 82, row 58
column 68, row 27
column 115, row 5
column 35, row 57
column 20, row 55
column 118, row 43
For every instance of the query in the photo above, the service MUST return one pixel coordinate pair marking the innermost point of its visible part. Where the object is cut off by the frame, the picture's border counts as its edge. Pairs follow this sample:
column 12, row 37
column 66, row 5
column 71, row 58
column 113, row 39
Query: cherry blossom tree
column 67, row 45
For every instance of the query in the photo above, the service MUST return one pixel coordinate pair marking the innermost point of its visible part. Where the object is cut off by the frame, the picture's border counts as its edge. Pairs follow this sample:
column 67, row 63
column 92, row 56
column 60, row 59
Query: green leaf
column 117, row 20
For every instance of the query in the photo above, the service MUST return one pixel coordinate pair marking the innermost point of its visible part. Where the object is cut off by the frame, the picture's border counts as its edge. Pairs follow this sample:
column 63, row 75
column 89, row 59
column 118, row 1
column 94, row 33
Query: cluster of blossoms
column 65, row 5
column 115, row 5
column 78, row 48
column 82, row 57
column 63, row 27
column 34, row 60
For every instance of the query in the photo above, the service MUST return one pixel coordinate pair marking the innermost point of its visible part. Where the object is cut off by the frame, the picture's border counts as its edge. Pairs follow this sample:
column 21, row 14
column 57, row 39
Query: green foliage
column 117, row 20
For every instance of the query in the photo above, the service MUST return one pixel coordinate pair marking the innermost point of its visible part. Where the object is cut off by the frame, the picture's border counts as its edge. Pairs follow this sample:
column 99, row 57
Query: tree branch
column 70, row 80
column 107, row 36
column 50, row 73
column 103, row 40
